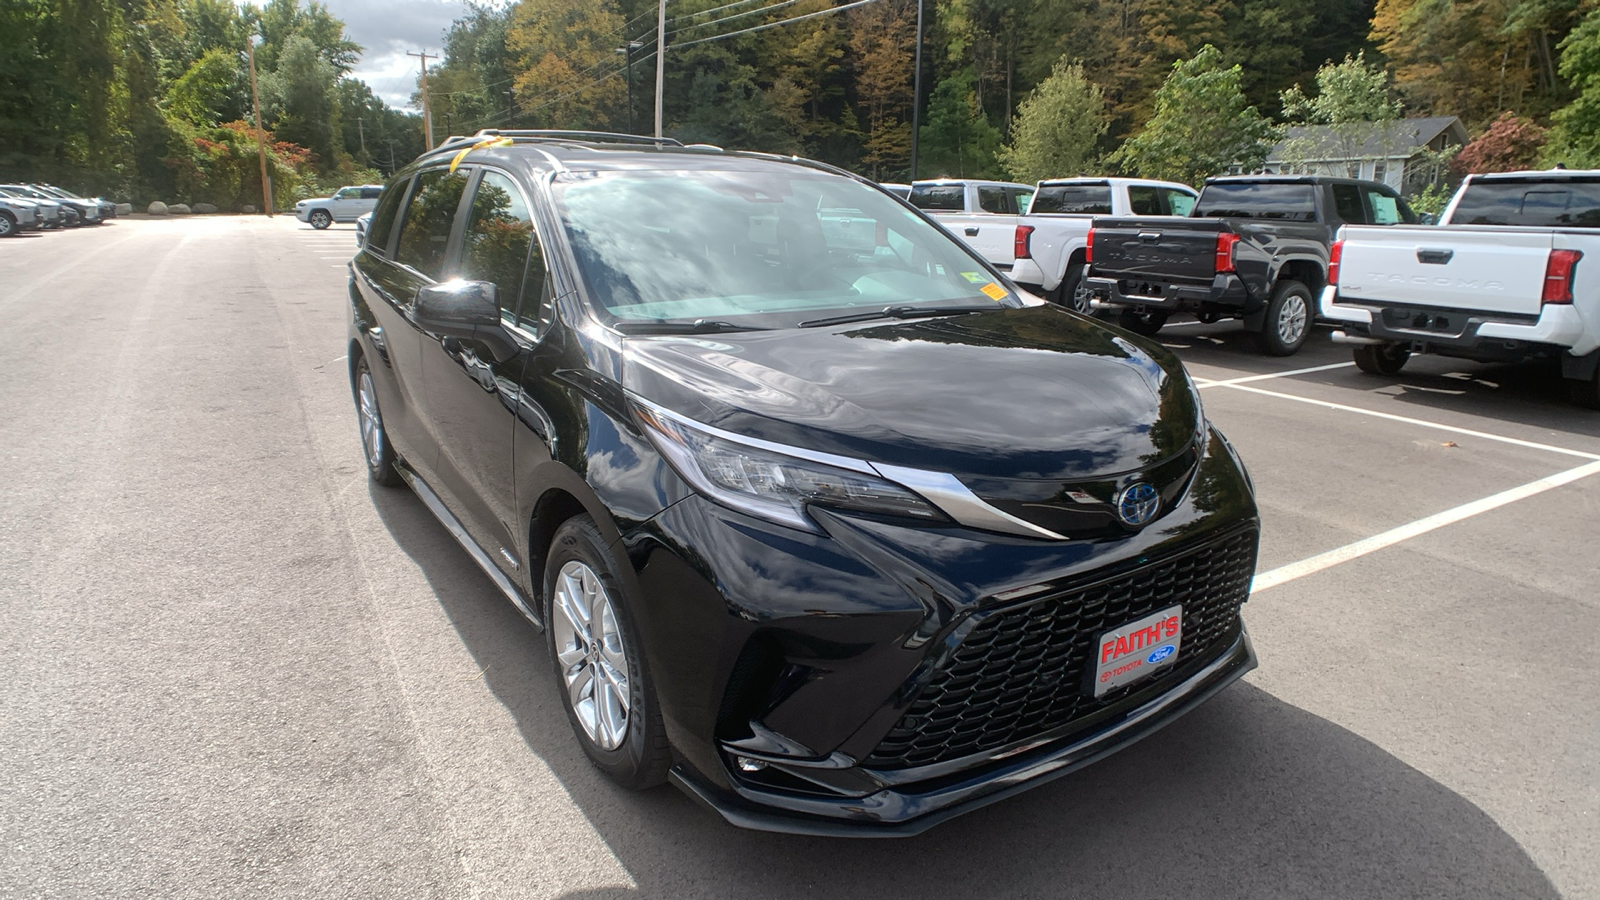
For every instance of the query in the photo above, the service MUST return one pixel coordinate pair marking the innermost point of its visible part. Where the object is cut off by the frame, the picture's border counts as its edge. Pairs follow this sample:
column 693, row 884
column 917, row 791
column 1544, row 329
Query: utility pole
column 361, row 129
column 916, row 96
column 511, row 108
column 661, row 59
column 448, row 131
column 627, row 51
column 261, row 147
column 427, row 114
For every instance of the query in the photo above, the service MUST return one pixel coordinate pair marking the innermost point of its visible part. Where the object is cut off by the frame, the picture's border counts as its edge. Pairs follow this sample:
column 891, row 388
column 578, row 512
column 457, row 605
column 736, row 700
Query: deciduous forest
column 150, row 98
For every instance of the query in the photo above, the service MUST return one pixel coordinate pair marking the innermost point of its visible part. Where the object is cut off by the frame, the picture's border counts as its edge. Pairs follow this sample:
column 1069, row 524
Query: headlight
column 771, row 484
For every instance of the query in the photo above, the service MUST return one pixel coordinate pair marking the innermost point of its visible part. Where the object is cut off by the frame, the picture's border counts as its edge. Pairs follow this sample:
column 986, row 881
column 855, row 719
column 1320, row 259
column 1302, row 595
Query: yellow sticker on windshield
column 975, row 277
column 995, row 291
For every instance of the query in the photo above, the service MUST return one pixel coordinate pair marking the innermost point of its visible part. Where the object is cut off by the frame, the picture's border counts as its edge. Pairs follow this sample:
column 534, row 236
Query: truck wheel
column 1585, row 392
column 1145, row 323
column 320, row 219
column 1074, row 292
column 1288, row 319
column 1381, row 359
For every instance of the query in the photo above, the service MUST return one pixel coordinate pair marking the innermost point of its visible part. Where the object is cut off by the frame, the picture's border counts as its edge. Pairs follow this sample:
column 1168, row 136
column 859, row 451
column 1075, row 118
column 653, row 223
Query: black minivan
column 823, row 520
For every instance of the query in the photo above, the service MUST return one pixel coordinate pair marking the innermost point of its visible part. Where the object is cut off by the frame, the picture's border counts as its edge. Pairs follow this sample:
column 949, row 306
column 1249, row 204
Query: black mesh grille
column 1020, row 671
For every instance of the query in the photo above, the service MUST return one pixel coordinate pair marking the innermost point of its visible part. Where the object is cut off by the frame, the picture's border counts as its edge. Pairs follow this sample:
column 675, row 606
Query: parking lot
column 232, row 667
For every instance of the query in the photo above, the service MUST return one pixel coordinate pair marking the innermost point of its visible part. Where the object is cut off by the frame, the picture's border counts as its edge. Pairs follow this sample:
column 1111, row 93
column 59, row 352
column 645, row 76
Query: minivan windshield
column 759, row 249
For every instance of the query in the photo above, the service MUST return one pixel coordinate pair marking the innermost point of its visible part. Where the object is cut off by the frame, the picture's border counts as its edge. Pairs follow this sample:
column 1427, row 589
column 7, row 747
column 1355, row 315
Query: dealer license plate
column 1138, row 649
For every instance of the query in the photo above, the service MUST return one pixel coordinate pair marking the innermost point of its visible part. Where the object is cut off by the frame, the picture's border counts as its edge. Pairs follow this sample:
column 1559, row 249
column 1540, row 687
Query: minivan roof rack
column 588, row 137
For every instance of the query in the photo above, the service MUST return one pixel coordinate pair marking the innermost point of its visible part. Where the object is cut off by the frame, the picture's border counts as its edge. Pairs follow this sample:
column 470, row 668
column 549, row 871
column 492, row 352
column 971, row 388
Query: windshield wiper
column 669, row 326
column 901, row 312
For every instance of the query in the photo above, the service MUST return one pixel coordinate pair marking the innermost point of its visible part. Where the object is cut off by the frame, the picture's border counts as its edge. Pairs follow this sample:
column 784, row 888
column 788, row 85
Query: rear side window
column 1020, row 198
column 1262, row 200
column 994, row 200
column 383, row 216
column 495, row 247
column 1148, row 200
column 1549, row 205
column 1384, row 208
column 425, row 231
column 939, row 197
column 1347, row 203
column 1080, row 199
column 370, row 193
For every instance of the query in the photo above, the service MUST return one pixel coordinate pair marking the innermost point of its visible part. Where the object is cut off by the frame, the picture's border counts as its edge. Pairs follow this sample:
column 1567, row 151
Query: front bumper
column 302, row 213
column 789, row 666
column 1226, row 294
column 1466, row 333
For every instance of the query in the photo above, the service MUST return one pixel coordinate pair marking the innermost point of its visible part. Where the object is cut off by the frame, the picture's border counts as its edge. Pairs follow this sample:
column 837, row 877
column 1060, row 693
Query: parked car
column 363, row 222
column 74, row 212
column 48, row 213
column 1052, row 239
column 1255, row 247
column 903, row 191
column 17, row 216
column 839, row 538
column 1501, row 279
column 982, row 213
column 346, row 205
column 108, row 210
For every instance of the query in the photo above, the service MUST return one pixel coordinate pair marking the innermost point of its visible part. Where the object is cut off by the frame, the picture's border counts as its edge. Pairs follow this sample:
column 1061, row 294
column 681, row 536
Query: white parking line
column 1304, row 567
column 1410, row 421
column 333, row 257
column 1206, row 382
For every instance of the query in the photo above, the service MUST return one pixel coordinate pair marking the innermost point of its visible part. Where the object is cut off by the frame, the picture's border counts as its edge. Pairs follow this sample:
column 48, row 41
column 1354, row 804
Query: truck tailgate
column 1495, row 270
column 1169, row 249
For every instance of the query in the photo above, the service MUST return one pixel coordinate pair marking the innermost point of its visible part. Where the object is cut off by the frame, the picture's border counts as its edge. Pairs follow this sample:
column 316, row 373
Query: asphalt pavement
column 230, row 667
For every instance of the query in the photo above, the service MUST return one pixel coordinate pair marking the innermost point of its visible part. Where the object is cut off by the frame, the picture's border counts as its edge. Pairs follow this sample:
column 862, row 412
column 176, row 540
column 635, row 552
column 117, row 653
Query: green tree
column 881, row 38
column 1575, row 132
column 957, row 139
column 1202, row 125
column 1057, row 127
column 1353, row 107
column 215, row 89
column 300, row 101
column 565, row 62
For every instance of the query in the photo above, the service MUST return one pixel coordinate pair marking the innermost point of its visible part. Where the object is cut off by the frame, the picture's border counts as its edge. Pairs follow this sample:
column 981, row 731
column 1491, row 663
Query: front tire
column 1288, row 319
column 1145, row 323
column 375, row 446
column 8, row 225
column 1381, row 359
column 599, row 661
column 320, row 219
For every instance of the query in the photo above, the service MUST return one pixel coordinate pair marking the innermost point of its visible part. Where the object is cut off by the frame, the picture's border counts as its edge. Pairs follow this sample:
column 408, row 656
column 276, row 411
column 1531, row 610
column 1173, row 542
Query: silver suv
column 346, row 205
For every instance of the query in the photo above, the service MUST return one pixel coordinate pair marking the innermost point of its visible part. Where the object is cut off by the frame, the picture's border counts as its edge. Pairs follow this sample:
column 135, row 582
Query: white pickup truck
column 984, row 214
column 1503, row 278
column 1051, row 242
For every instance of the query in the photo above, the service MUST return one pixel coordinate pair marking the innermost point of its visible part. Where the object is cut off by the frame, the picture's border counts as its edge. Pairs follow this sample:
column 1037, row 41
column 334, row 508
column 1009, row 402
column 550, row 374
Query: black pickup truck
column 1255, row 247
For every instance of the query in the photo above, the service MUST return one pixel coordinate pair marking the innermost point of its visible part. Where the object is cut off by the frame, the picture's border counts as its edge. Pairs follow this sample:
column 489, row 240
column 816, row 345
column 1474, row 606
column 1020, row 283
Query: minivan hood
column 1034, row 393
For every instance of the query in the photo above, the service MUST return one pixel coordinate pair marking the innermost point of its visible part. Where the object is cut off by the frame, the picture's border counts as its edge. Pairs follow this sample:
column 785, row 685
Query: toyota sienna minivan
column 821, row 519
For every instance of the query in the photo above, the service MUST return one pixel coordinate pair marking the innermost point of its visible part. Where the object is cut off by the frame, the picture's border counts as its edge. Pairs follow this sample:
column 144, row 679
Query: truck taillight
column 1558, row 276
column 1020, row 249
column 1225, row 244
column 1335, row 254
column 1088, row 248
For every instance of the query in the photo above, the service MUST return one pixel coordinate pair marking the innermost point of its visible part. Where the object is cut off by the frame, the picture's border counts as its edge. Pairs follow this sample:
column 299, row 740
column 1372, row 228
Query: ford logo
column 1137, row 504
column 1159, row 655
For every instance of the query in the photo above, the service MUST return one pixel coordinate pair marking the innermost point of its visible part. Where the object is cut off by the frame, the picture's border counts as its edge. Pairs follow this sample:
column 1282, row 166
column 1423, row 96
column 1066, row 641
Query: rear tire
column 1288, row 320
column 320, row 219
column 8, row 225
column 598, row 659
column 1381, row 359
column 1145, row 323
column 1585, row 393
column 1074, row 292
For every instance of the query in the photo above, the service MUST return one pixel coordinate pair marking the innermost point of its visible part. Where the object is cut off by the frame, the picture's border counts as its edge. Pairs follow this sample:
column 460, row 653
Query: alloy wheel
column 594, row 662
column 1292, row 319
column 371, row 421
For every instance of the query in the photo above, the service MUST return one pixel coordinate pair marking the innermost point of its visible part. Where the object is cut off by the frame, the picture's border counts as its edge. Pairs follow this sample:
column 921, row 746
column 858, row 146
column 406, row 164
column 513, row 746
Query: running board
column 453, row 525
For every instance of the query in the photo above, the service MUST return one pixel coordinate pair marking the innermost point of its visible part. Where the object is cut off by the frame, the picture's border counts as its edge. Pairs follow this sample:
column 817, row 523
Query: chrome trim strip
column 453, row 525
column 827, row 459
column 949, row 494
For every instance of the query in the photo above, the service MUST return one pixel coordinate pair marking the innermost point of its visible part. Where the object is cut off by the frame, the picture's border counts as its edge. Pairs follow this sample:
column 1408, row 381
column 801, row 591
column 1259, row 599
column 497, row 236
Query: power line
column 714, row 9
column 825, row 12
column 737, row 15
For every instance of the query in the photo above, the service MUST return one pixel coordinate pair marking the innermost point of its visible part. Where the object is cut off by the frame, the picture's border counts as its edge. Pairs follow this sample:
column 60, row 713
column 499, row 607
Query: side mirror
column 468, row 310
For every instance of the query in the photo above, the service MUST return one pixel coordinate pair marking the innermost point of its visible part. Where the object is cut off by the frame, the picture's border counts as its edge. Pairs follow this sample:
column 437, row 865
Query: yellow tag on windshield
column 994, row 291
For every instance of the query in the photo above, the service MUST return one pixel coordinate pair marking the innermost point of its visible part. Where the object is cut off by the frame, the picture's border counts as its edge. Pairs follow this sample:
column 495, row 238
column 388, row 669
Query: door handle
column 1434, row 257
column 972, row 232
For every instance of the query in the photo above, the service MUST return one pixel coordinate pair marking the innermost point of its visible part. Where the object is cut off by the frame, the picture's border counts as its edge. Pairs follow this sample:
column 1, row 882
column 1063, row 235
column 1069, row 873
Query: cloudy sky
column 388, row 28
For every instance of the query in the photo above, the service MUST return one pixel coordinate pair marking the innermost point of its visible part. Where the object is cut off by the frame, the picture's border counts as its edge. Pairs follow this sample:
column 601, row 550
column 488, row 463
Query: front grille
column 1019, row 672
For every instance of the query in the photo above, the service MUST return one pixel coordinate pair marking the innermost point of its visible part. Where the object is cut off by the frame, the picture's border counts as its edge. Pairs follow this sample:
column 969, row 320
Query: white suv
column 346, row 205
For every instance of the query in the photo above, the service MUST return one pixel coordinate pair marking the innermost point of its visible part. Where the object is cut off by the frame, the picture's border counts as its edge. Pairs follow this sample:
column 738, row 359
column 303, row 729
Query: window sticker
column 975, row 277
column 994, row 291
